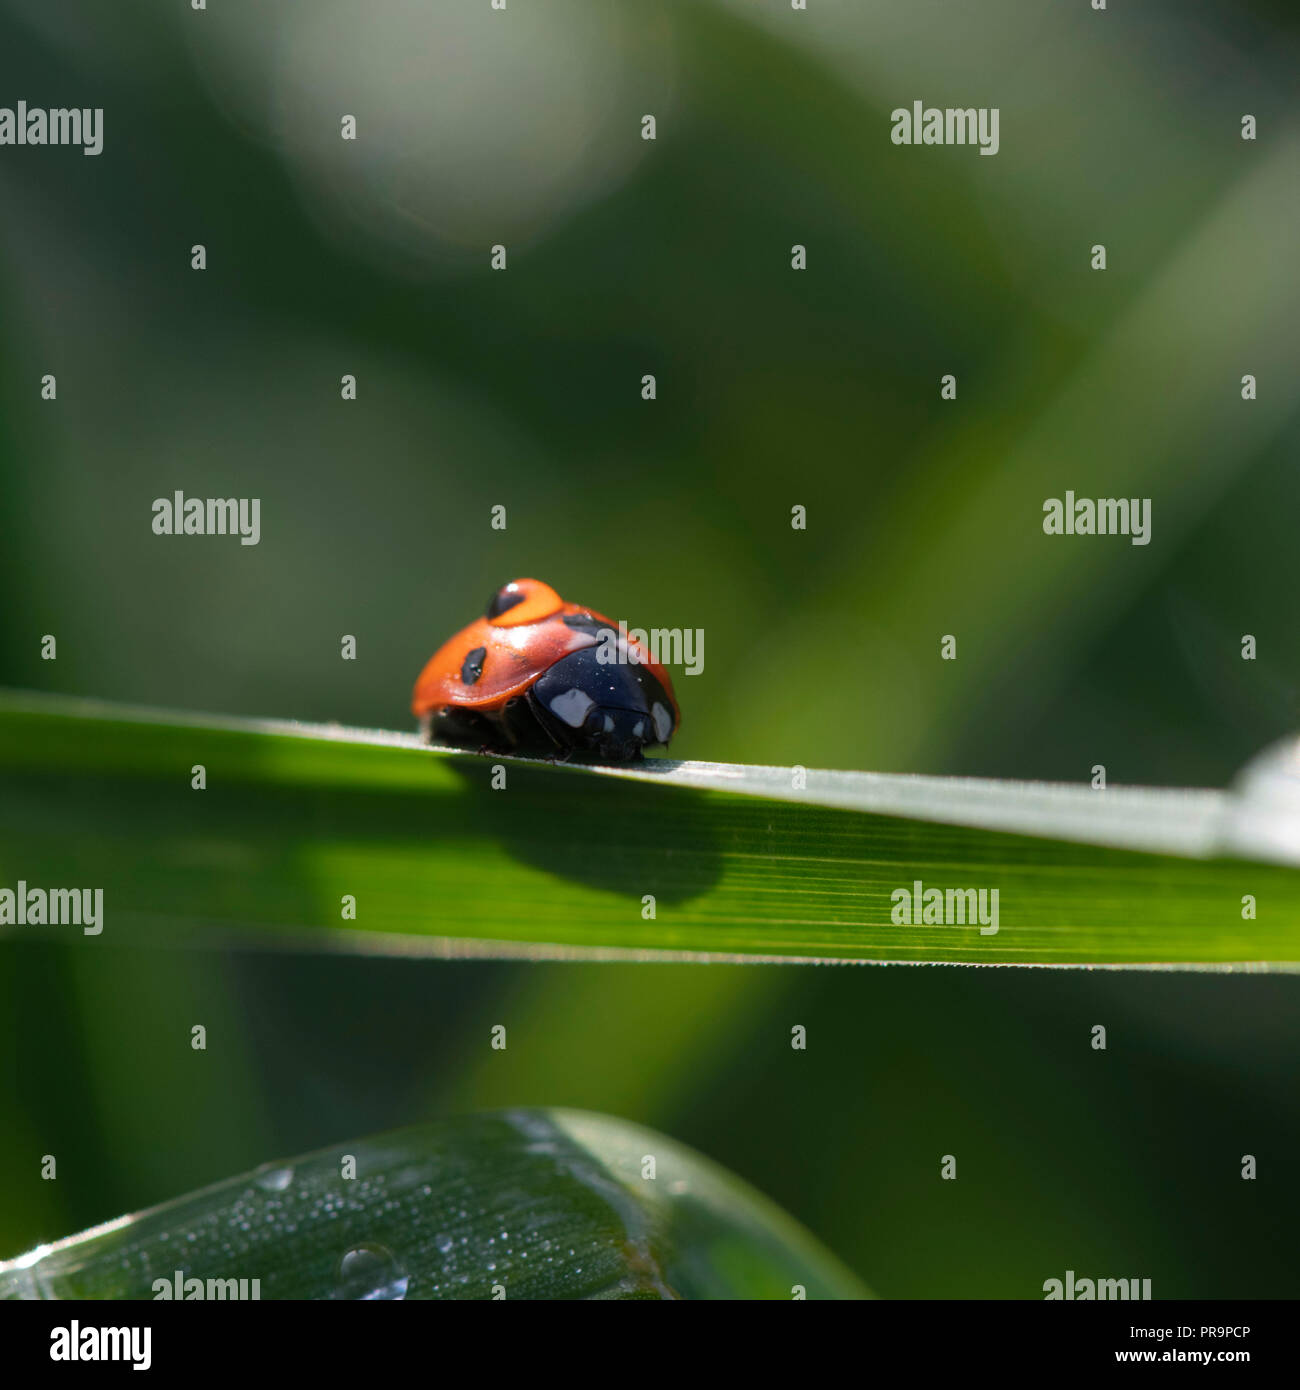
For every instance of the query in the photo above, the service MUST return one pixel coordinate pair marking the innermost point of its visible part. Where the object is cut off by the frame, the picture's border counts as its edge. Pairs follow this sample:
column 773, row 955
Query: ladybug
column 539, row 676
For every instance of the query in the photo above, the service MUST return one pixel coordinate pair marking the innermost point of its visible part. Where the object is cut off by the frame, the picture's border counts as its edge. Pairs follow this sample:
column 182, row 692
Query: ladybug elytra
column 542, row 677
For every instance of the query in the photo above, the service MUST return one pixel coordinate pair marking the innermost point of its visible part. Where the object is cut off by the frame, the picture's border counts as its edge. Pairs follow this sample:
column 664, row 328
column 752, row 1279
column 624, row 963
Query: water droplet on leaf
column 370, row 1271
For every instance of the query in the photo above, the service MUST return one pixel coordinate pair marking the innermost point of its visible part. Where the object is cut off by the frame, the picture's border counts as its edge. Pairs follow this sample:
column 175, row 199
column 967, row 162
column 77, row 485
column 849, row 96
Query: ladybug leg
column 464, row 727
column 526, row 732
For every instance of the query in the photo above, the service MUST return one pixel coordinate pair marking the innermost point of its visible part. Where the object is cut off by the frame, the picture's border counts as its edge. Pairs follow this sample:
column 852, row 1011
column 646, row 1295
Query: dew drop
column 370, row 1271
column 273, row 1177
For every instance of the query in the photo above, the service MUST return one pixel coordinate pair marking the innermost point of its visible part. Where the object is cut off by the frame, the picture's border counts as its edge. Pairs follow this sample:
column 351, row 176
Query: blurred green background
column 775, row 388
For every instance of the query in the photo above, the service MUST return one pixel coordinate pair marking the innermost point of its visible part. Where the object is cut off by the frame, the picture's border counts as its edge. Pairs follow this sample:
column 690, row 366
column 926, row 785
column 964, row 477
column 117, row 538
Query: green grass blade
column 519, row 1204
column 741, row 862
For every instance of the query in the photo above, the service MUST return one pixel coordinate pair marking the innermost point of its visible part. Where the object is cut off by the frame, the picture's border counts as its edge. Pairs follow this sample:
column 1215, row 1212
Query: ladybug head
column 522, row 601
column 611, row 711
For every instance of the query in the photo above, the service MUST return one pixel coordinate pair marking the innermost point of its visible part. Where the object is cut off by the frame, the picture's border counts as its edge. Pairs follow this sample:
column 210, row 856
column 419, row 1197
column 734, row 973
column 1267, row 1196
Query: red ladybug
column 527, row 678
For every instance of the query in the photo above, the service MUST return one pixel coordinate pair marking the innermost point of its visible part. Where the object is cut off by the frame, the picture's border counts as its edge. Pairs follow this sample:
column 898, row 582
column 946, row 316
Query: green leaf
column 296, row 822
column 540, row 1203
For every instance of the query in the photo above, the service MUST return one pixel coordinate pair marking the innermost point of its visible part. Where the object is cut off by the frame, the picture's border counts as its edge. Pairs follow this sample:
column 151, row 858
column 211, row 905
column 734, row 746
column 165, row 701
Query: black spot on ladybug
column 472, row 667
column 502, row 602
